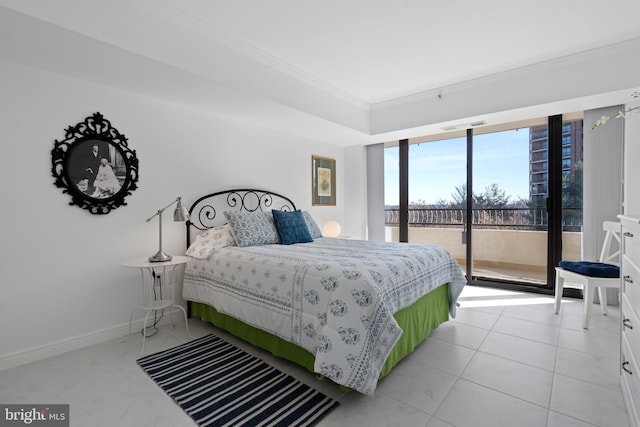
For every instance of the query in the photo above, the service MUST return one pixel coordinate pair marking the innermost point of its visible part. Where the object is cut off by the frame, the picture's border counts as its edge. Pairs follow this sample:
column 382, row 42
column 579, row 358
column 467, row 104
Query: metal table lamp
column 179, row 215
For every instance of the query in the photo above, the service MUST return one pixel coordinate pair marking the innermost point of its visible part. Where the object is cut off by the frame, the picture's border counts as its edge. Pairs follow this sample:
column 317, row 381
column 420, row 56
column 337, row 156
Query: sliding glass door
column 504, row 230
column 437, row 177
column 572, row 187
column 509, row 216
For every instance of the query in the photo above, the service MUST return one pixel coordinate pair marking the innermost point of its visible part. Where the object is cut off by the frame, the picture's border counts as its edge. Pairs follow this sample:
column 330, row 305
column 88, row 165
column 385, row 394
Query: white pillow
column 252, row 228
column 212, row 239
column 312, row 225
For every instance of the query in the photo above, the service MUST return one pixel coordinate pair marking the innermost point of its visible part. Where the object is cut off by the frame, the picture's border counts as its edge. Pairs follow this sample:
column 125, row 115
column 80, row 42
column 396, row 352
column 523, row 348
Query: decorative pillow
column 211, row 239
column 252, row 228
column 312, row 225
column 291, row 227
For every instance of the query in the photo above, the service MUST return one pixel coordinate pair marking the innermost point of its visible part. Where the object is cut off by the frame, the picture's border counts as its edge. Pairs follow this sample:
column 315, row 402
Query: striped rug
column 217, row 384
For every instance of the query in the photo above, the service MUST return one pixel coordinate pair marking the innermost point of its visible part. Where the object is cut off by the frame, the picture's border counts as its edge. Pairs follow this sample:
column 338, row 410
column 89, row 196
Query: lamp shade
column 331, row 229
column 180, row 214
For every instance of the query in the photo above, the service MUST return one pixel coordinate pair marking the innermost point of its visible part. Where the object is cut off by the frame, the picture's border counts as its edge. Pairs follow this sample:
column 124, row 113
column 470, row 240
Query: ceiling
column 352, row 71
column 381, row 50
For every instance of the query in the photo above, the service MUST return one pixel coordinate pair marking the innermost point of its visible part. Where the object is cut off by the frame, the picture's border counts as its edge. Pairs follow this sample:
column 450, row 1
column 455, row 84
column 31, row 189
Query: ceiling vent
column 464, row 125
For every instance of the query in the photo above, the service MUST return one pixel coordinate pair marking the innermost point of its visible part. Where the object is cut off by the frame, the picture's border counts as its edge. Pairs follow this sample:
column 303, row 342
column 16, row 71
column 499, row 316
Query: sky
column 436, row 168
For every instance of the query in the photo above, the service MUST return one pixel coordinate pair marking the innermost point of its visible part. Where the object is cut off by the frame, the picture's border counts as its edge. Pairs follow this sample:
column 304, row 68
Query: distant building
column 539, row 157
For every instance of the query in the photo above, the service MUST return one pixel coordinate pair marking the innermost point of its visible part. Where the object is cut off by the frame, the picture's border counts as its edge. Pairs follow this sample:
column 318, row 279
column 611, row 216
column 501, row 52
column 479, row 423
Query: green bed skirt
column 417, row 322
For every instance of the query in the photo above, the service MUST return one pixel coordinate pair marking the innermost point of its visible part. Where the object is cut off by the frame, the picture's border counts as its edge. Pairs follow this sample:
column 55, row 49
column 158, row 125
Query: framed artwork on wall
column 94, row 165
column 323, row 171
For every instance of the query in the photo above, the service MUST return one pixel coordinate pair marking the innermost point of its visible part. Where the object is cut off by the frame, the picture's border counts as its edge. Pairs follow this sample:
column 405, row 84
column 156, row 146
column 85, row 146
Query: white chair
column 593, row 275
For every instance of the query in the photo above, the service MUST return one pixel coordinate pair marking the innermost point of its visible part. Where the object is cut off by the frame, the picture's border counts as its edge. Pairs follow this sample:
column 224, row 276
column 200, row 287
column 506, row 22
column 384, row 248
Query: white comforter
column 333, row 297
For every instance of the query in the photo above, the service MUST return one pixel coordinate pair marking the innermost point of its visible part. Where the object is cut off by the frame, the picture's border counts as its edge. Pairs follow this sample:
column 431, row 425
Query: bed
column 346, row 309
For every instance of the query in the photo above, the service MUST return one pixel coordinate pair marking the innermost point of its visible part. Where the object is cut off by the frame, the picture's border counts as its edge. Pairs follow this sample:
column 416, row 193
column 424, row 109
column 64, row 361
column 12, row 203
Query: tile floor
column 506, row 360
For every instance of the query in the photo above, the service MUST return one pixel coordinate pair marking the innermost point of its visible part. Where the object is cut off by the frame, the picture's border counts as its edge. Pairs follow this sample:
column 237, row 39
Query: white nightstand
column 150, row 303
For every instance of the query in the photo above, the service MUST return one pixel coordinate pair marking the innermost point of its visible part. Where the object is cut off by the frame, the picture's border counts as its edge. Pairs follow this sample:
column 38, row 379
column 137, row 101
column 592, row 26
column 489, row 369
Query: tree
column 572, row 187
column 421, row 203
column 459, row 197
column 572, row 197
column 492, row 198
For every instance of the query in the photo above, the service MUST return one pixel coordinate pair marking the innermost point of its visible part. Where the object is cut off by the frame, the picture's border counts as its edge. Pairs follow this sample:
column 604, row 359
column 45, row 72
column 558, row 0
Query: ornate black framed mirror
column 94, row 165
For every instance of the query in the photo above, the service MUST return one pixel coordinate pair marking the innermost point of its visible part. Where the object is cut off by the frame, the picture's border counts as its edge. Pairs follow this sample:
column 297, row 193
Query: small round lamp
column 331, row 229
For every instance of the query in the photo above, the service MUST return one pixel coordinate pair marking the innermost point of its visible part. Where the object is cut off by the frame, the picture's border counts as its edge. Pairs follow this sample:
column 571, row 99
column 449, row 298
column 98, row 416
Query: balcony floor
column 534, row 277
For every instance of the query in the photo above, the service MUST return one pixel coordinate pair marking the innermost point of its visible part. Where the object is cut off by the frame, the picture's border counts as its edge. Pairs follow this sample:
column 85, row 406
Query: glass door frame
column 553, row 207
column 554, row 198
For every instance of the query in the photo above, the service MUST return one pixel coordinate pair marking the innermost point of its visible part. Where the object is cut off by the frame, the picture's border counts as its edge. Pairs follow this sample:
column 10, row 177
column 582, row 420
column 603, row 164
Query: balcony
column 539, row 167
column 539, row 156
column 539, row 145
column 507, row 243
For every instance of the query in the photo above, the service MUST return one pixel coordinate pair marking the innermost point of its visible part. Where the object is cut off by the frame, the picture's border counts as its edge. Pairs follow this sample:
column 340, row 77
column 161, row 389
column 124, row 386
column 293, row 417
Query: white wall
column 62, row 282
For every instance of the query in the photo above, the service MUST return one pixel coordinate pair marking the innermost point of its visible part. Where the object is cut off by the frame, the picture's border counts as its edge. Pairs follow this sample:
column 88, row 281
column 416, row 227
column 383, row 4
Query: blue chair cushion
column 591, row 269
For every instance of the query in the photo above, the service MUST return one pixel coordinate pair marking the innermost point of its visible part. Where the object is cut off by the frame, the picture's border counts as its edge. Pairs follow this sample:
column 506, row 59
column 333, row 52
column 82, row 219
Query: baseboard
column 66, row 345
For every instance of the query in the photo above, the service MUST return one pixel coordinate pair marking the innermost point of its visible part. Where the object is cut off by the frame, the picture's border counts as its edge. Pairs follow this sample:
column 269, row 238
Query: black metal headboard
column 206, row 212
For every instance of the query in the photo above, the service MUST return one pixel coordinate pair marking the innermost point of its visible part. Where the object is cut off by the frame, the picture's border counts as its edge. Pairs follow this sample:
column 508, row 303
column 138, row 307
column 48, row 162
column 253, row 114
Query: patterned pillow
column 211, row 239
column 291, row 227
column 252, row 228
column 312, row 225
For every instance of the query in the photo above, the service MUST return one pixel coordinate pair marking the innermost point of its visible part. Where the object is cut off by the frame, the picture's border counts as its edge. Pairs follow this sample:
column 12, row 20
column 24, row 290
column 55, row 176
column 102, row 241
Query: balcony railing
column 499, row 218
column 539, row 145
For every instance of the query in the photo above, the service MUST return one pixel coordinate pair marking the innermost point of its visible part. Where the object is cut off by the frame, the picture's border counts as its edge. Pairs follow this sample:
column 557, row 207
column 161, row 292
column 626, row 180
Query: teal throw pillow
column 291, row 226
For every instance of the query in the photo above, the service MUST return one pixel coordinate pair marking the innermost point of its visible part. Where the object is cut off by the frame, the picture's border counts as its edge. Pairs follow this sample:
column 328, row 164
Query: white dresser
column 630, row 316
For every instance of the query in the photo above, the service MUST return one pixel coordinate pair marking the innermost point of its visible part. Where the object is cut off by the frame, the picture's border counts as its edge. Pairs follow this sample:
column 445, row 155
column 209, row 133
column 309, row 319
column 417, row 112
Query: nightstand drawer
column 631, row 283
column 630, row 324
column 630, row 382
column 630, row 314
column 631, row 243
